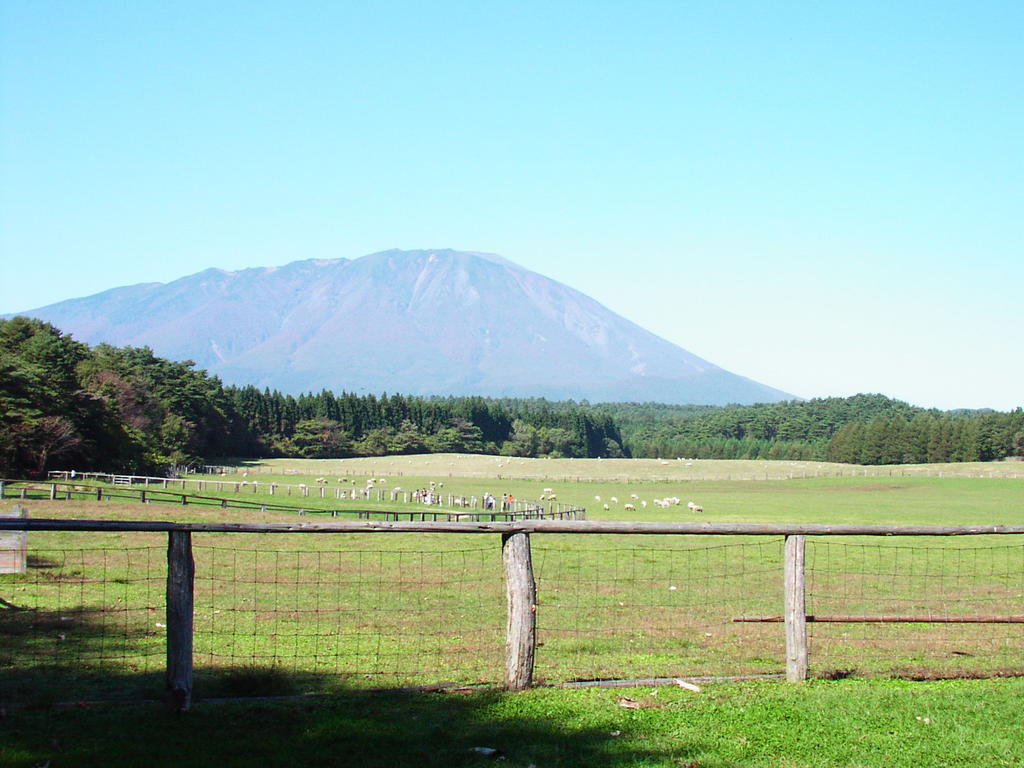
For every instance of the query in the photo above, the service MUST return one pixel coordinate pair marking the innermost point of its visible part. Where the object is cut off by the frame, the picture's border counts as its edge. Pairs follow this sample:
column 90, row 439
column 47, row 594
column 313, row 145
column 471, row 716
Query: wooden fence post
column 521, row 637
column 181, row 571
column 795, row 608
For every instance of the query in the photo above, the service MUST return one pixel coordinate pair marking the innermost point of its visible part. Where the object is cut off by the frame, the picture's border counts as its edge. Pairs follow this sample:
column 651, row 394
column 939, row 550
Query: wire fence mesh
column 655, row 611
column 958, row 610
column 373, row 611
column 375, row 617
column 83, row 621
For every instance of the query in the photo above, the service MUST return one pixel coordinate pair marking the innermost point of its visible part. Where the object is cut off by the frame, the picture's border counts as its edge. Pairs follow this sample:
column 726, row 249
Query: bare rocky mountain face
column 415, row 322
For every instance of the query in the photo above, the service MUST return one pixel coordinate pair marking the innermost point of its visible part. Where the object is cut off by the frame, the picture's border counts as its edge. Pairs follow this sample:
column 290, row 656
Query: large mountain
column 415, row 322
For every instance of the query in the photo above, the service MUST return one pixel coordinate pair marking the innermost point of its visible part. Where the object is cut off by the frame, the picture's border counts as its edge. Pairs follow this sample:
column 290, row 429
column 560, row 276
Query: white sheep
column 630, row 507
column 615, row 500
column 605, row 507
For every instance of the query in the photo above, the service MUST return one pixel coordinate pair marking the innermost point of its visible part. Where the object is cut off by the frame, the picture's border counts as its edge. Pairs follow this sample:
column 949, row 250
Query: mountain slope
column 418, row 322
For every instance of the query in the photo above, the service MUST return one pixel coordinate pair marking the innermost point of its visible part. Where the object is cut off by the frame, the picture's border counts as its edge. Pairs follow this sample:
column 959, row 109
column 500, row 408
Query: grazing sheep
column 643, row 504
column 552, row 497
column 615, row 500
column 694, row 507
column 633, row 496
column 605, row 507
column 597, row 498
column 630, row 508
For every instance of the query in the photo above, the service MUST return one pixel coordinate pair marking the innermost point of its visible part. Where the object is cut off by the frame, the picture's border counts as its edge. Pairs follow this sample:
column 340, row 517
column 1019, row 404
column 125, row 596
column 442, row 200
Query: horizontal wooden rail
column 890, row 619
column 518, row 526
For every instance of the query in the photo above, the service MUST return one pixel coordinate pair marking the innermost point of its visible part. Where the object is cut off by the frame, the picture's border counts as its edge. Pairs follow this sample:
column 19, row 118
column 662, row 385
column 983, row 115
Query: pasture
column 340, row 613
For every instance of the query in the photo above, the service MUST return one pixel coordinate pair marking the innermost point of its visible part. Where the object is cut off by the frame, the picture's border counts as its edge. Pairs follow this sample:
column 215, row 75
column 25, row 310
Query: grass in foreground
column 838, row 723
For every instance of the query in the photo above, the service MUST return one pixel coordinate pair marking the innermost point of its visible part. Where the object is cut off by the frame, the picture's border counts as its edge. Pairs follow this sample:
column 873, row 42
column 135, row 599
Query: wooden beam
column 520, row 526
column 890, row 619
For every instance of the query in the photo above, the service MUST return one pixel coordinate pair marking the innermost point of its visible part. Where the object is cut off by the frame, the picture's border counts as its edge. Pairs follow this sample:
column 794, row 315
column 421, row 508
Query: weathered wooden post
column 181, row 571
column 795, row 615
column 521, row 636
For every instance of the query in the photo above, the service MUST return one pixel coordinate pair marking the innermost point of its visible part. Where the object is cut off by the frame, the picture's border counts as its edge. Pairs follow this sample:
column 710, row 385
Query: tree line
column 863, row 429
column 328, row 425
column 124, row 409
column 63, row 402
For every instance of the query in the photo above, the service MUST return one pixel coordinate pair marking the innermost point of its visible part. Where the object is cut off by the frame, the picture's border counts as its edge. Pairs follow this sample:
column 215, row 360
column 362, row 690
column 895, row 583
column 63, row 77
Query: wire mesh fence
column 923, row 610
column 430, row 609
column 363, row 616
column 83, row 620
column 653, row 610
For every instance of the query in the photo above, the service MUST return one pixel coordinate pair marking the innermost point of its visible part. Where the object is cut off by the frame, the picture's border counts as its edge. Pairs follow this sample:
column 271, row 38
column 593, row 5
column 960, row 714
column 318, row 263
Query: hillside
column 418, row 322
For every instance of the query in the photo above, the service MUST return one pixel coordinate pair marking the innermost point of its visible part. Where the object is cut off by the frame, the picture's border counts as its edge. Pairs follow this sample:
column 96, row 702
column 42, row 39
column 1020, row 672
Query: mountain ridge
column 431, row 321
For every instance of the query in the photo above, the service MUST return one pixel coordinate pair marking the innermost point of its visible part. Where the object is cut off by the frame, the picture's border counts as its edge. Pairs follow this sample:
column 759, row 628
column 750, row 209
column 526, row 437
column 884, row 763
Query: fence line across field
column 522, row 603
column 444, row 506
column 182, row 476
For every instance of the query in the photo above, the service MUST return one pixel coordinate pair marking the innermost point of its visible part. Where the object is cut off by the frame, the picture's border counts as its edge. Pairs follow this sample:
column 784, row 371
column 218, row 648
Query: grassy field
column 862, row 724
column 338, row 613
column 442, row 465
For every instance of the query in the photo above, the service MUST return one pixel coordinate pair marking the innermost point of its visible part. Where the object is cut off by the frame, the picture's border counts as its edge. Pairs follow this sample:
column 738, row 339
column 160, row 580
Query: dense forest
column 64, row 403
column 863, row 429
column 125, row 409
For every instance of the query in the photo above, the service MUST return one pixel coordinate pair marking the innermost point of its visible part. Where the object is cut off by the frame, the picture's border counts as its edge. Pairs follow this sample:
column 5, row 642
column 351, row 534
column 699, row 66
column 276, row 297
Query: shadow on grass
column 347, row 727
column 76, row 652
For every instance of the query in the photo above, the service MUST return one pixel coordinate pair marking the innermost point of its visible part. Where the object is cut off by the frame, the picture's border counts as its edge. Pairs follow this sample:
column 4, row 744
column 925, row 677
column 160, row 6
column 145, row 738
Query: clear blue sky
column 825, row 197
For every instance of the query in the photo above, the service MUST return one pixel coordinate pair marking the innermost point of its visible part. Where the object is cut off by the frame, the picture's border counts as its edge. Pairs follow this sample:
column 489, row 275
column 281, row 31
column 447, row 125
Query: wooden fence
column 448, row 507
column 521, row 590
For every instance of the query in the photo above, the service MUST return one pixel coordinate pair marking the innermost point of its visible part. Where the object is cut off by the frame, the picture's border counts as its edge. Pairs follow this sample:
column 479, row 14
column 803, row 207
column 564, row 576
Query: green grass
column 290, row 613
column 825, row 723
